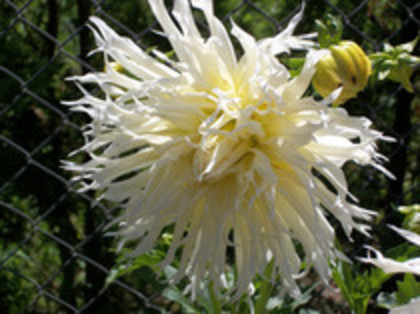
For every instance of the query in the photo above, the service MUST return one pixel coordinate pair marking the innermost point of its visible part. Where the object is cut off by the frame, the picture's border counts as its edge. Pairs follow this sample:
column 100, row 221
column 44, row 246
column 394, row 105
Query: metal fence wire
column 54, row 256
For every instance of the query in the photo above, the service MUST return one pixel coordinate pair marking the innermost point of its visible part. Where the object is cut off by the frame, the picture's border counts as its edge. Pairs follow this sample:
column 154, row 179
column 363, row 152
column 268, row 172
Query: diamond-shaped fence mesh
column 54, row 256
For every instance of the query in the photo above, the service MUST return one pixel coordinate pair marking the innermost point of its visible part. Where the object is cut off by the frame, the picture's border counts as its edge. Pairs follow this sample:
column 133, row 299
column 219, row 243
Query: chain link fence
column 54, row 256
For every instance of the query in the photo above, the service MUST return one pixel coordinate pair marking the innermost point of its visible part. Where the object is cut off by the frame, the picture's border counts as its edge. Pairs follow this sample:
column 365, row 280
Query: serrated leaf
column 123, row 267
column 396, row 63
column 174, row 294
column 408, row 289
column 329, row 31
column 403, row 252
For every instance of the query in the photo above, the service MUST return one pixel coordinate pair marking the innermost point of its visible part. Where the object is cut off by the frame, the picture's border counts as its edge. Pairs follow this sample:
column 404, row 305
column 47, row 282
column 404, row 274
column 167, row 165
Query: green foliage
column 358, row 287
column 412, row 217
column 330, row 31
column 407, row 289
column 123, row 267
column 397, row 63
column 294, row 65
column 265, row 288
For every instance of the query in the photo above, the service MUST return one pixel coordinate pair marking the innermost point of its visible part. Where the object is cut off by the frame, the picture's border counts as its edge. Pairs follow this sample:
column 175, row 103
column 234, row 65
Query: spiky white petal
column 222, row 148
column 391, row 266
column 408, row 235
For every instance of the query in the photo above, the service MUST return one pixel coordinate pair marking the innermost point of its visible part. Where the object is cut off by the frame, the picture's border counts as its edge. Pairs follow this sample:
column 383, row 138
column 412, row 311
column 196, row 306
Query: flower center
column 228, row 138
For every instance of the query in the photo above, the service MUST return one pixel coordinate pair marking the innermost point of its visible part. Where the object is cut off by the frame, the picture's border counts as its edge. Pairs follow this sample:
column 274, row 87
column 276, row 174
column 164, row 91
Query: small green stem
column 217, row 308
column 265, row 290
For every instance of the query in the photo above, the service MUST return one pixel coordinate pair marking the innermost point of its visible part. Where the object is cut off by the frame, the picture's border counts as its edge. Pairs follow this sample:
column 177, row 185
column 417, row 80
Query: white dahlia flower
column 228, row 150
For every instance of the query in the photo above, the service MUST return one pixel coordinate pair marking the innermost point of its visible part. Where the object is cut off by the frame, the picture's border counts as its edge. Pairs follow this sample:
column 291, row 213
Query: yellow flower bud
column 347, row 66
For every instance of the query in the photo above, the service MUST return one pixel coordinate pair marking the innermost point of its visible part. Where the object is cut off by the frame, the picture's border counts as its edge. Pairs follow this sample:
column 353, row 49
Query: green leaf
column 407, row 289
column 357, row 288
column 215, row 302
column 329, row 31
column 265, row 289
column 412, row 217
column 123, row 266
column 396, row 63
column 174, row 294
column 403, row 252
column 343, row 282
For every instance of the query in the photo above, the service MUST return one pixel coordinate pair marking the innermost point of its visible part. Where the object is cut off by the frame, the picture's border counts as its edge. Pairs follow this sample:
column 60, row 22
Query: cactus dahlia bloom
column 228, row 150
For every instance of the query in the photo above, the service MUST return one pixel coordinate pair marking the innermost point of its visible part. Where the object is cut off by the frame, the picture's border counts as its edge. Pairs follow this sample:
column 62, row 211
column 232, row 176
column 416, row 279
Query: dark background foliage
column 53, row 255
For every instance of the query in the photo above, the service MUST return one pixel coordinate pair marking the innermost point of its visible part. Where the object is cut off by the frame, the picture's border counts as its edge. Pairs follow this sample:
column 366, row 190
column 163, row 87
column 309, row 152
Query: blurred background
column 54, row 257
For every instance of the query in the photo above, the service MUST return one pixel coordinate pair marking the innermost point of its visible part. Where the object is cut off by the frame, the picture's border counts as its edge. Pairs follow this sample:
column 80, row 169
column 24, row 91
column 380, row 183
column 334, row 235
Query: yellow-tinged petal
column 114, row 66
